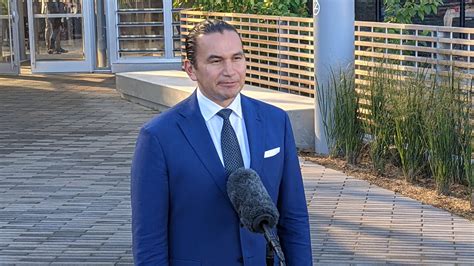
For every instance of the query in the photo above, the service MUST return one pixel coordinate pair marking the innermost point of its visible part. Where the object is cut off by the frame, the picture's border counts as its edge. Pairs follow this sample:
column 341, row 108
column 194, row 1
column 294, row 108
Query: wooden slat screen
column 406, row 47
column 279, row 50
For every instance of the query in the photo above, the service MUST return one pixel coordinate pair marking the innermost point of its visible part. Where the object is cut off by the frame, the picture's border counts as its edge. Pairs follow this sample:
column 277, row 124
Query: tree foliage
column 403, row 11
column 262, row 7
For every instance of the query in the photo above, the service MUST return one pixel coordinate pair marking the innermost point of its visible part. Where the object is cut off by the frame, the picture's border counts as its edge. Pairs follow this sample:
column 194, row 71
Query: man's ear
column 189, row 68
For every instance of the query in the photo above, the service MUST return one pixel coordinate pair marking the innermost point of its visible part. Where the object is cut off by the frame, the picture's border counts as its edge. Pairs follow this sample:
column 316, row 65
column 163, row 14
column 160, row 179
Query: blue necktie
column 229, row 144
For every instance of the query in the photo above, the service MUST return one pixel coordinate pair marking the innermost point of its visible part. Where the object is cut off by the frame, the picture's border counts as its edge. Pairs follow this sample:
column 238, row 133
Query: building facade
column 126, row 35
column 89, row 35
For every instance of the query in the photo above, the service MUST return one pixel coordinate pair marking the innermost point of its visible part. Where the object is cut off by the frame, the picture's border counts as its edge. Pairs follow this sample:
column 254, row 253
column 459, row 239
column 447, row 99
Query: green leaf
column 427, row 9
column 404, row 11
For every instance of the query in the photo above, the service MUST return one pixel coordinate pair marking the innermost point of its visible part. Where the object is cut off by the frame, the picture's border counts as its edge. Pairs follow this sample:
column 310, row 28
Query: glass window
column 448, row 14
column 5, row 49
column 176, row 32
column 366, row 10
column 139, row 4
column 470, row 15
column 141, row 28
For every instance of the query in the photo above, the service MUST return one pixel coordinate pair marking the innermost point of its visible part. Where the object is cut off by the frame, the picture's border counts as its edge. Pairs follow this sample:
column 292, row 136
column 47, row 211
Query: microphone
column 254, row 206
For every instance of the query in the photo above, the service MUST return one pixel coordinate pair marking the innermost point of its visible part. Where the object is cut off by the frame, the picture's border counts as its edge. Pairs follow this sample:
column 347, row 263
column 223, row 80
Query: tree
column 403, row 11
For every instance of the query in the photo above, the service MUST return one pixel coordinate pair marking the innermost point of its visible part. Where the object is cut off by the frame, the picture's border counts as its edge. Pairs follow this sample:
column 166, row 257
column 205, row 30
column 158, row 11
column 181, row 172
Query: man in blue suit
column 181, row 214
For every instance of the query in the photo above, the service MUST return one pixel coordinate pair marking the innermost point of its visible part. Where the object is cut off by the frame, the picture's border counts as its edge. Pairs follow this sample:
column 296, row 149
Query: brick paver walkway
column 65, row 148
column 354, row 222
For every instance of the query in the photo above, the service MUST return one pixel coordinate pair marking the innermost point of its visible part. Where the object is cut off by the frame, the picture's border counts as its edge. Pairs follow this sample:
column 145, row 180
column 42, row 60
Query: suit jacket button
column 241, row 225
column 240, row 260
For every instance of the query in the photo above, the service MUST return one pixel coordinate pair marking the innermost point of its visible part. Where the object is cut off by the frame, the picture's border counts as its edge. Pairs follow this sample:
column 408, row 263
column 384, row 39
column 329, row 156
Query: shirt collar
column 209, row 108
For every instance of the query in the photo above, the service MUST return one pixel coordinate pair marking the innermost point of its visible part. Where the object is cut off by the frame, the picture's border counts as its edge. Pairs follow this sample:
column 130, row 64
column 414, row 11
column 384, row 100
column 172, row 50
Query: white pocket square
column 271, row 152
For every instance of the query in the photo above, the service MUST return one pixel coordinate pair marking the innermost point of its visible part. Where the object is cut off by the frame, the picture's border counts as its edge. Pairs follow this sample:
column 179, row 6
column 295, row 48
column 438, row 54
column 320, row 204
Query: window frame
column 113, row 37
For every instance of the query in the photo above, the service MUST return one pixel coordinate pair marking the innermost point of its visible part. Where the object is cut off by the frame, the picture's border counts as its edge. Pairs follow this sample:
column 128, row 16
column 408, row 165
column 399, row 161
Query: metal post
column 334, row 50
column 378, row 11
column 21, row 20
column 471, row 176
column 101, row 34
column 472, row 199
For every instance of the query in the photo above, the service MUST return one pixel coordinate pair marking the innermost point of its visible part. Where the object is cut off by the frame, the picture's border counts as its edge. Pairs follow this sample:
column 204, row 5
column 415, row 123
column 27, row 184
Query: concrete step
column 161, row 90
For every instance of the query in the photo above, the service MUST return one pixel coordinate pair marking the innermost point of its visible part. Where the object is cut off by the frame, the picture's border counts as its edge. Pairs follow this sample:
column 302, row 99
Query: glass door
column 61, row 35
column 9, row 38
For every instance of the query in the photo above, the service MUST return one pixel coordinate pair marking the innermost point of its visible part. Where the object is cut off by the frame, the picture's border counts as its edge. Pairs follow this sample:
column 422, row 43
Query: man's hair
column 207, row 26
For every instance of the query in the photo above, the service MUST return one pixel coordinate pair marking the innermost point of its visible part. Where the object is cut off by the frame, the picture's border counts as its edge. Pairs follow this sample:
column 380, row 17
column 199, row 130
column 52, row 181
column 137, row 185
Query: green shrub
column 446, row 122
column 441, row 137
column 379, row 124
column 464, row 103
column 263, row 7
column 424, row 116
column 409, row 105
column 339, row 106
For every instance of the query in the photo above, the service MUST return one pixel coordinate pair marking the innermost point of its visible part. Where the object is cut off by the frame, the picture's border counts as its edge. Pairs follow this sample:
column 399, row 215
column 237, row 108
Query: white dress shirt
column 214, row 124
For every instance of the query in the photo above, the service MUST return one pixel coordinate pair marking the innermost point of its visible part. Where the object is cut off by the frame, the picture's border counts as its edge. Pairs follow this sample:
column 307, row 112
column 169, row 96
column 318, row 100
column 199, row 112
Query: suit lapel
column 255, row 125
column 255, row 133
column 196, row 132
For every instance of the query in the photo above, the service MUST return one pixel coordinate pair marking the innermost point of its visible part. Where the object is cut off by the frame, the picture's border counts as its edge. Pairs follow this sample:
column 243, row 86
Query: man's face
column 219, row 66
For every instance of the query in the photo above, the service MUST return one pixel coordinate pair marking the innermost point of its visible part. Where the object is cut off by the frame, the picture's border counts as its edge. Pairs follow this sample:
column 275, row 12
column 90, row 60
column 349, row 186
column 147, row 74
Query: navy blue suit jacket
column 181, row 214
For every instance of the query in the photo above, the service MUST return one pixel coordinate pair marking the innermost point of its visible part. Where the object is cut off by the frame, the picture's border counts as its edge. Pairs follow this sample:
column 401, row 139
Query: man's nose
column 229, row 68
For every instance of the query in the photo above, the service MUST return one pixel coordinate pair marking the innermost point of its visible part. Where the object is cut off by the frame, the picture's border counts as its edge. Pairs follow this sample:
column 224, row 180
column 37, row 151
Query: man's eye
column 238, row 58
column 215, row 61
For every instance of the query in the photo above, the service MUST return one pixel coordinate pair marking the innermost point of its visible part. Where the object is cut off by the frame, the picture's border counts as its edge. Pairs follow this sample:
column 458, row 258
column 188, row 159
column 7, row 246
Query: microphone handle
column 272, row 239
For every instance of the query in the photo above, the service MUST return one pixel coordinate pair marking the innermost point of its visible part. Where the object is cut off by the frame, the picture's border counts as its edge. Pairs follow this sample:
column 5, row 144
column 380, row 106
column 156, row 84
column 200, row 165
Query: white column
column 334, row 49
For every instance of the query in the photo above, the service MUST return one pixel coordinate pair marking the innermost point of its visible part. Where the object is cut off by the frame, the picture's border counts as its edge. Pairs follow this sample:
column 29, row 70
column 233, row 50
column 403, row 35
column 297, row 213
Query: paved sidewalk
column 354, row 222
column 65, row 149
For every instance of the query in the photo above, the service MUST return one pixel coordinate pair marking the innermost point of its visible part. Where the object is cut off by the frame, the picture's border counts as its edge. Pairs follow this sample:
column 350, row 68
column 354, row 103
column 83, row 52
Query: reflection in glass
column 149, row 31
column 452, row 16
column 5, row 33
column 139, row 4
column 146, row 44
column 177, row 48
column 140, row 17
column 102, row 54
column 176, row 32
column 141, row 28
column 366, row 10
column 58, row 30
column 134, row 48
column 469, row 15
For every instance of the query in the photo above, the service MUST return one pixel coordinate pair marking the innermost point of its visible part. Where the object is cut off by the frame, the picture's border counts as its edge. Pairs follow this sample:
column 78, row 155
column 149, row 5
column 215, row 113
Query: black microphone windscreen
column 251, row 200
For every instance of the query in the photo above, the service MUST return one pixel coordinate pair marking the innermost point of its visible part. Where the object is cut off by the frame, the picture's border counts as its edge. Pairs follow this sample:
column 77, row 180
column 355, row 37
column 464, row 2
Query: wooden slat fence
column 410, row 48
column 279, row 50
column 407, row 48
